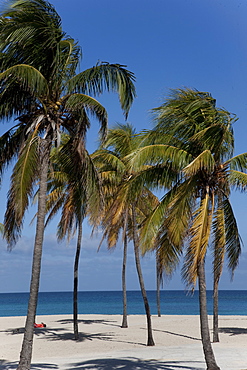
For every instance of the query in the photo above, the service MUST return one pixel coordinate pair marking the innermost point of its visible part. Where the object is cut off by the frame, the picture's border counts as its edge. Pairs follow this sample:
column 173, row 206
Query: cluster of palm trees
column 187, row 156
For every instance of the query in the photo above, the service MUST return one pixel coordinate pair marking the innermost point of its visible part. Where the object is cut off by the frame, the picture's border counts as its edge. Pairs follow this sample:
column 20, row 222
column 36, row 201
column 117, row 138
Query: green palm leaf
column 239, row 162
column 219, row 242
column 109, row 77
column 77, row 103
column 200, row 232
column 122, row 139
column 238, row 180
column 156, row 154
column 25, row 25
column 171, row 216
column 24, row 174
column 204, row 161
column 107, row 160
column 233, row 240
column 29, row 78
column 167, row 253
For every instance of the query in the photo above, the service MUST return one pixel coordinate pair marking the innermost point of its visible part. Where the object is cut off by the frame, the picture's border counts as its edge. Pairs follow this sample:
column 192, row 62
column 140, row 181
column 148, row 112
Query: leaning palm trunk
column 158, row 282
column 207, row 347
column 150, row 341
column 27, row 344
column 216, row 311
column 124, row 322
column 76, row 264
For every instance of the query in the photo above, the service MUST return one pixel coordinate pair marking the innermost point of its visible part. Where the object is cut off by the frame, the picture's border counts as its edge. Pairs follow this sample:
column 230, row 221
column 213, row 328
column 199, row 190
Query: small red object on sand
column 42, row 325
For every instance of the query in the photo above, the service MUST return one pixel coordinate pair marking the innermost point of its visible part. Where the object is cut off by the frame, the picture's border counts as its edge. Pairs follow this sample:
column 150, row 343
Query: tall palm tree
column 128, row 205
column 40, row 88
column 193, row 144
column 112, row 170
column 73, row 187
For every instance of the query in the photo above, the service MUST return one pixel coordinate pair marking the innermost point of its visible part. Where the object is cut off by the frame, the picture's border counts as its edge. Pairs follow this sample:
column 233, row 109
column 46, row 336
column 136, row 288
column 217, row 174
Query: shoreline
column 177, row 339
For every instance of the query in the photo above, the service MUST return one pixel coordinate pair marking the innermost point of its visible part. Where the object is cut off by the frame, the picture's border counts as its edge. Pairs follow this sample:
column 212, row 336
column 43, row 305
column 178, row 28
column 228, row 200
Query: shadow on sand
column 59, row 334
column 131, row 364
column 177, row 334
column 90, row 322
column 37, row 331
column 111, row 364
column 233, row 331
column 5, row 365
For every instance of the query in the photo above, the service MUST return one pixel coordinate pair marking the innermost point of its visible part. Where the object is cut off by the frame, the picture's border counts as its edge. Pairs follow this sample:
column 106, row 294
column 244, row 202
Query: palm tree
column 73, row 187
column 193, row 144
column 127, row 204
column 40, row 88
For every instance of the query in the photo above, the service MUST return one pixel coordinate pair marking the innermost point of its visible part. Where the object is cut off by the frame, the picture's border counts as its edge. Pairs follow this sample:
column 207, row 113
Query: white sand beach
column 105, row 345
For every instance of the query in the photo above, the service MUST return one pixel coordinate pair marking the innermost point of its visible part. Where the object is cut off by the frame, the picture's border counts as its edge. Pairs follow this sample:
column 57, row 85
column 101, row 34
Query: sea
column 173, row 302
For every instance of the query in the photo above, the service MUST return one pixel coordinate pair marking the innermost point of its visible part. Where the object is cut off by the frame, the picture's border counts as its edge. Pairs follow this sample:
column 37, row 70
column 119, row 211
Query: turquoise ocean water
column 231, row 302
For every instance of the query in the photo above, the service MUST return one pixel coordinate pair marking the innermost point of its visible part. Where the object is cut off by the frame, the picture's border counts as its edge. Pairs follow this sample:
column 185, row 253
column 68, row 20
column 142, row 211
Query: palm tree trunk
column 124, row 321
column 216, row 311
column 158, row 282
column 207, row 347
column 150, row 341
column 75, row 294
column 27, row 344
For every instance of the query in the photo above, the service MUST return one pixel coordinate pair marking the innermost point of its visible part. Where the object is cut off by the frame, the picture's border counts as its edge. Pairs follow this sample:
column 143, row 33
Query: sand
column 105, row 345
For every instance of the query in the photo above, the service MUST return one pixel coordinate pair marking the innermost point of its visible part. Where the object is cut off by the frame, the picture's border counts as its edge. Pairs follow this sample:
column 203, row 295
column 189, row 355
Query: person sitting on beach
column 42, row 325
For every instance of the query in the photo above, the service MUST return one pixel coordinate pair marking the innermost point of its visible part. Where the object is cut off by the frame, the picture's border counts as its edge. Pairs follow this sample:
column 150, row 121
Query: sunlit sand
column 104, row 344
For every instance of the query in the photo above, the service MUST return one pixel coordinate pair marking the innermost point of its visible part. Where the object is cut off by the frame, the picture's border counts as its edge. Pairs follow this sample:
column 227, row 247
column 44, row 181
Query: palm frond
column 121, row 139
column 29, row 78
column 106, row 160
column 204, row 161
column 238, row 180
column 199, row 238
column 109, row 77
column 184, row 113
column 77, row 103
column 168, row 255
column 66, row 225
column 30, row 33
column 24, row 174
column 219, row 241
column 171, row 215
column 238, row 163
column 233, row 239
column 159, row 154
column 10, row 143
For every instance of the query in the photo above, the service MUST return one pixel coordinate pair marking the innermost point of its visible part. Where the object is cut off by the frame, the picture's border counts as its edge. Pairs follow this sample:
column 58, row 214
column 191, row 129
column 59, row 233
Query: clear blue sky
column 167, row 44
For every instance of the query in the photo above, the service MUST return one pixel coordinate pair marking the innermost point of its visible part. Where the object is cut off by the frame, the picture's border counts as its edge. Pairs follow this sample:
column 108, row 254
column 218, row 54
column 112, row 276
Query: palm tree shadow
column 13, row 331
column 59, row 334
column 112, row 364
column 37, row 331
column 133, row 364
column 13, row 365
column 53, row 336
column 177, row 334
column 109, row 337
column 89, row 322
column 233, row 331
